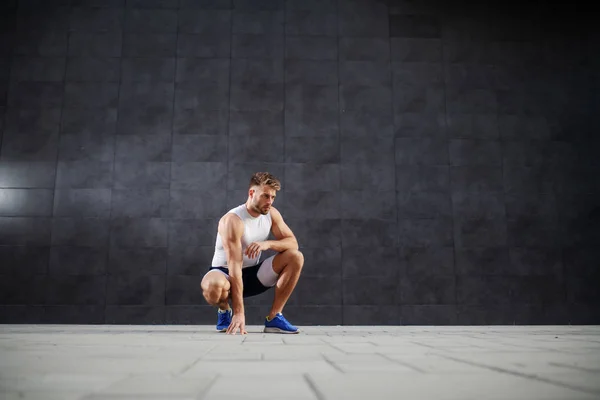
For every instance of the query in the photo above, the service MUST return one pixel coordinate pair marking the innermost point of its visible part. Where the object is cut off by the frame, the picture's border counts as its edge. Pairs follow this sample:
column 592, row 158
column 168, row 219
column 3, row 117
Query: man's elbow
column 295, row 245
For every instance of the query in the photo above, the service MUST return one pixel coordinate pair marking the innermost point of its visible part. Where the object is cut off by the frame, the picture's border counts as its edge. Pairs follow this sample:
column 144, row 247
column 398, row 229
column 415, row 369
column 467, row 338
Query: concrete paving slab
column 533, row 362
column 259, row 368
column 449, row 387
column 292, row 352
column 437, row 365
column 94, row 362
column 228, row 356
column 158, row 385
column 42, row 395
column 71, row 382
column 587, row 381
column 261, row 387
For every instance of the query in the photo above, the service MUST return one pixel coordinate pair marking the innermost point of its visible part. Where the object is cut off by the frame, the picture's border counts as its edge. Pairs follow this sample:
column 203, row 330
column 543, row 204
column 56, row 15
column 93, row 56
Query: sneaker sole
column 277, row 330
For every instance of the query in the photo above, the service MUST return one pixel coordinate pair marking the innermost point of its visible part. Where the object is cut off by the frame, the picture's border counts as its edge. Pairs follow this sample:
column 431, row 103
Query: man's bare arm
column 231, row 229
column 284, row 236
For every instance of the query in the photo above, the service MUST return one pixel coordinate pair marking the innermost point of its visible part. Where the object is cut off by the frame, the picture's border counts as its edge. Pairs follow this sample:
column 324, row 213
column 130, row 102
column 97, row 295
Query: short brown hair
column 265, row 178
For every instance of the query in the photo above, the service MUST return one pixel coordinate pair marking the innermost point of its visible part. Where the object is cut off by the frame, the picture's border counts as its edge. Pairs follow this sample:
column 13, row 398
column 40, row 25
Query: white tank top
column 256, row 229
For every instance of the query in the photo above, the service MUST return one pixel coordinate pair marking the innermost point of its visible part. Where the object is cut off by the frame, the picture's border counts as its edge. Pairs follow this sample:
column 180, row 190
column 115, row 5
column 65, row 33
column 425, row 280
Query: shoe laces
column 285, row 321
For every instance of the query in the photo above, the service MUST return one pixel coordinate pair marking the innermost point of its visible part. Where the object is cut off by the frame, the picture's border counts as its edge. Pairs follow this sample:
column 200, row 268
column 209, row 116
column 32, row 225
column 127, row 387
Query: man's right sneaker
column 224, row 319
column 279, row 325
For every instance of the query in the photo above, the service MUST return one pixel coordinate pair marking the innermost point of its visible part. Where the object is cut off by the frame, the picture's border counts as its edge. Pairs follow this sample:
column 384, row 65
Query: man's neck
column 252, row 212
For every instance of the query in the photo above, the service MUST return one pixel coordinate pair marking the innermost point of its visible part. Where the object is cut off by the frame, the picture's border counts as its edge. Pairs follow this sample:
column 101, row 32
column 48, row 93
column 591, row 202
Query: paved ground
column 193, row 362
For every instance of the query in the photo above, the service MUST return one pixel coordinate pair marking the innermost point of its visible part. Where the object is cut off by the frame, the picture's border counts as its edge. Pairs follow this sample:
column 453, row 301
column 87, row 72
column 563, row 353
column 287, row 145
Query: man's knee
column 214, row 292
column 296, row 257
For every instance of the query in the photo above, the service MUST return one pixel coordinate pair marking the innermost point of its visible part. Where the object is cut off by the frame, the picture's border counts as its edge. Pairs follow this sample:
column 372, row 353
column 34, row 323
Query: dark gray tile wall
column 439, row 160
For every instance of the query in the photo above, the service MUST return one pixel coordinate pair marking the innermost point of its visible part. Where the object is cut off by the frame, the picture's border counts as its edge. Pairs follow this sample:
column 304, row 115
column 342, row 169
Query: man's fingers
column 234, row 326
column 232, row 329
column 252, row 250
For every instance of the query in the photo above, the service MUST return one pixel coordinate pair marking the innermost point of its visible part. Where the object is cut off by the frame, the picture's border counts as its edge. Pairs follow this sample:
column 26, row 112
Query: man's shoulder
column 231, row 213
column 231, row 219
column 275, row 213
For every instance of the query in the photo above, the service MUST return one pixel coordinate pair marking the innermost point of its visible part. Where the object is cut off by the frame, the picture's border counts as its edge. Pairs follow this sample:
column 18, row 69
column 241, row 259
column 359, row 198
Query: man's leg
column 215, row 288
column 288, row 266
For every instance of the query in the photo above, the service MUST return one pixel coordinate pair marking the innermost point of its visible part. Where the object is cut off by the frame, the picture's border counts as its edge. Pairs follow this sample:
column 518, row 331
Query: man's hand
column 255, row 247
column 238, row 321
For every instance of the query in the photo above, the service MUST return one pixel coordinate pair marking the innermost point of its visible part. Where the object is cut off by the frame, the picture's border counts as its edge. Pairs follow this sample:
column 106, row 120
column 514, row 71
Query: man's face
column 262, row 198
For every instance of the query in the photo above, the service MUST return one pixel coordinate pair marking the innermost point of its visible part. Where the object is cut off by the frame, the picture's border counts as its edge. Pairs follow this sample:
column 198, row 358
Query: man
column 236, row 271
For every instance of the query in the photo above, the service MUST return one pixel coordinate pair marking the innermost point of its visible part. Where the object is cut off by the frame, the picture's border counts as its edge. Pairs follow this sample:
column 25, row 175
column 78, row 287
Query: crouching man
column 236, row 272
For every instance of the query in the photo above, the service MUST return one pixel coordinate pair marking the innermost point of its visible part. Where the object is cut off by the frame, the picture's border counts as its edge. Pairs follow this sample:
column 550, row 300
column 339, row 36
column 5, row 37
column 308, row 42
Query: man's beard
column 263, row 211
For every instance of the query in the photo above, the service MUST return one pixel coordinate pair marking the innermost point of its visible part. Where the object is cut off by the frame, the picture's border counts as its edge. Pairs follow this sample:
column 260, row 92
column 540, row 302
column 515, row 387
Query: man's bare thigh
column 282, row 259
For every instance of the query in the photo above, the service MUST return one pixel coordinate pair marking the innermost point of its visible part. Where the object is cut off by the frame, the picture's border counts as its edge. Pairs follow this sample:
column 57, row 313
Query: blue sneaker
column 279, row 325
column 224, row 320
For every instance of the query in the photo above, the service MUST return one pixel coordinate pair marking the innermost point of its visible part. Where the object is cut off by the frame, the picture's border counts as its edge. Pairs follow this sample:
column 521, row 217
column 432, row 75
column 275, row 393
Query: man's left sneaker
column 279, row 325
column 224, row 319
